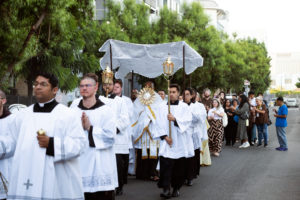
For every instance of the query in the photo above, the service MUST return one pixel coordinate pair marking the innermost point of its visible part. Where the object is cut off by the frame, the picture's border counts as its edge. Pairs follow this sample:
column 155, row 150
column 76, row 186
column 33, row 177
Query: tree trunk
column 30, row 34
column 29, row 91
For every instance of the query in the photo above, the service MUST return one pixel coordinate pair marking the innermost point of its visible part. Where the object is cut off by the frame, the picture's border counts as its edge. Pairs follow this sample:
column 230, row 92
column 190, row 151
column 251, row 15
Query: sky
column 276, row 22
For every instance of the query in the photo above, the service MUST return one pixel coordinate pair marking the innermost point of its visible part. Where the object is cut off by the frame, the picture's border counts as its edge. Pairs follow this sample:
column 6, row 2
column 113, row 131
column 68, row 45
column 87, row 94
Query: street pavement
column 255, row 173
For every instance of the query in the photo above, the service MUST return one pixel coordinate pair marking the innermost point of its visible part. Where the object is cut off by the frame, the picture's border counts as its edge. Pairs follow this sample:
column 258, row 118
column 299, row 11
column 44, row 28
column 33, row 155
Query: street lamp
column 107, row 77
column 168, row 67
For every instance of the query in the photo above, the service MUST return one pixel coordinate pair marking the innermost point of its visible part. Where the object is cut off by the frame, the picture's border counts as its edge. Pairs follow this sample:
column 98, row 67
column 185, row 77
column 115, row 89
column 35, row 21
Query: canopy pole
column 183, row 71
column 190, row 80
column 110, row 51
column 131, row 83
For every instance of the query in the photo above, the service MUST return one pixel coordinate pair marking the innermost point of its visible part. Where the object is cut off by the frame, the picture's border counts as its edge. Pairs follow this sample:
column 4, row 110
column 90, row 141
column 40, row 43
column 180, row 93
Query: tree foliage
column 55, row 36
column 64, row 39
column 227, row 62
column 298, row 83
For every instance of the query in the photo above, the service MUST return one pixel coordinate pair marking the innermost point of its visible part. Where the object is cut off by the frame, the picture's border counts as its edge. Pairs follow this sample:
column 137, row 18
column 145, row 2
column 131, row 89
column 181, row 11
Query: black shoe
column 189, row 183
column 259, row 145
column 166, row 194
column 119, row 191
column 265, row 145
column 175, row 193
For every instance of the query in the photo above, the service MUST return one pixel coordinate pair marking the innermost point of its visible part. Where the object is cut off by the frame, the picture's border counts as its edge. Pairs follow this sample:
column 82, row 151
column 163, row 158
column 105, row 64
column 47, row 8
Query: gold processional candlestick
column 168, row 67
column 107, row 78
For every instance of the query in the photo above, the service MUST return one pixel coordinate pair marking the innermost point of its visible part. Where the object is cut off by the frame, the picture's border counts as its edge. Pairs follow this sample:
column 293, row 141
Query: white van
column 291, row 102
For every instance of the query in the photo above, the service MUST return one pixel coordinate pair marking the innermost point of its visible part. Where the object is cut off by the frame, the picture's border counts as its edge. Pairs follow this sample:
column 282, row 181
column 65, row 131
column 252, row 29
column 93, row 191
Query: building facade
column 285, row 70
column 218, row 17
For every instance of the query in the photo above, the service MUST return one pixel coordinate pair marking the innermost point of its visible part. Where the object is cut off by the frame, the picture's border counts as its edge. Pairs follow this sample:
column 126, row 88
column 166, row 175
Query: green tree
column 194, row 28
column 298, row 83
column 235, row 63
column 57, row 36
column 258, row 64
column 227, row 63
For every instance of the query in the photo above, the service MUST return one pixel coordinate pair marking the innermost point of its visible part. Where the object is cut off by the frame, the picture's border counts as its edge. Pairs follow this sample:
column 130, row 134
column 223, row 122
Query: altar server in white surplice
column 190, row 170
column 121, row 145
column 6, row 145
column 127, row 158
column 49, row 139
column 173, row 151
column 200, row 133
column 98, row 161
column 199, row 116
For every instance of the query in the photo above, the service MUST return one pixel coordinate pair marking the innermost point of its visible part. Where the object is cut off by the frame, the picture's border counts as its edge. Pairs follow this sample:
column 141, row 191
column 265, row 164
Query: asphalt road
column 241, row 174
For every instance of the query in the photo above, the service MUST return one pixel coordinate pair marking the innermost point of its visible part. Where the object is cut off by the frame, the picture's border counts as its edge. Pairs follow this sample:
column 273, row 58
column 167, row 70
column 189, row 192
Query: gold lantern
column 168, row 67
column 107, row 77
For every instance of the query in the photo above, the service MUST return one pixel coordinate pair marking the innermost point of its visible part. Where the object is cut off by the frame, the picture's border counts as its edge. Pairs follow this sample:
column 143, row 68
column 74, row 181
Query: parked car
column 291, row 102
column 14, row 108
column 272, row 102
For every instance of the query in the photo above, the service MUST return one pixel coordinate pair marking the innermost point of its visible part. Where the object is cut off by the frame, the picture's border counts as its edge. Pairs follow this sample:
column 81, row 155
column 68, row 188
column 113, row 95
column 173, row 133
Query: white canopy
column 147, row 59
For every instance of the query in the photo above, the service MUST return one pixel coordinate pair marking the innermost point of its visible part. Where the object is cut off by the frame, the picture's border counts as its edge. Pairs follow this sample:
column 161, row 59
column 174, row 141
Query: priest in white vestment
column 144, row 129
column 49, row 139
column 173, row 148
column 98, row 161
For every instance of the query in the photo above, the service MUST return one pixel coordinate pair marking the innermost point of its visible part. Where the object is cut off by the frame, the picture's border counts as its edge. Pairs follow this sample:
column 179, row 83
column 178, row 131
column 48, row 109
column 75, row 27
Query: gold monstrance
column 146, row 96
column 107, row 77
column 168, row 67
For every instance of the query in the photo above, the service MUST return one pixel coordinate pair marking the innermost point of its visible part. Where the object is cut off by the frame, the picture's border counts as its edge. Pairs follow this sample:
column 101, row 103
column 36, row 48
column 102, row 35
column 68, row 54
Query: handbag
column 269, row 123
column 245, row 115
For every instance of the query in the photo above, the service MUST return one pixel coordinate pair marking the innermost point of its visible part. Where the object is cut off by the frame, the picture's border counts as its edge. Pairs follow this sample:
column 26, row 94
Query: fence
column 14, row 99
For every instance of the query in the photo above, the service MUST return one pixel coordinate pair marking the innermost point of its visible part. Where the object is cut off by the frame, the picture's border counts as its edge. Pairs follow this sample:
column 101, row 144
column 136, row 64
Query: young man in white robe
column 199, row 116
column 190, row 169
column 125, row 157
column 121, row 145
column 122, row 121
column 49, row 139
column 98, row 161
column 173, row 148
column 6, row 120
column 200, row 131
column 144, row 129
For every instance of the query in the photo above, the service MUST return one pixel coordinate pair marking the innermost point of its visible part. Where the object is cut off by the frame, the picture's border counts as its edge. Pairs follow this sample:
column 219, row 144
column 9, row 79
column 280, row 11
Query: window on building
column 288, row 81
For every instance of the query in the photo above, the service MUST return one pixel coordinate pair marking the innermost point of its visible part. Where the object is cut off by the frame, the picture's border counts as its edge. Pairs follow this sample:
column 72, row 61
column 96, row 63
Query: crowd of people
column 50, row 151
